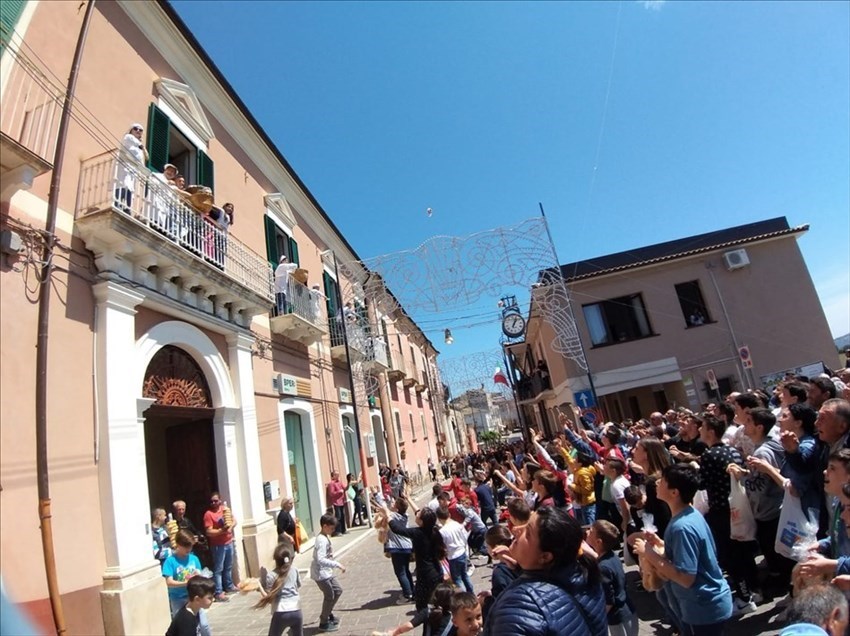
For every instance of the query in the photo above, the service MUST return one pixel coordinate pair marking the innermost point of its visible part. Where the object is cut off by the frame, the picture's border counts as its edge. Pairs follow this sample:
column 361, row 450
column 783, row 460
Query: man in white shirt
column 455, row 537
column 281, row 283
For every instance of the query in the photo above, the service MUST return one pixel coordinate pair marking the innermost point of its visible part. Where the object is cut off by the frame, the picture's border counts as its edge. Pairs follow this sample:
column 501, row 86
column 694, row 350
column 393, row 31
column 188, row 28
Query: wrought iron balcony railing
column 110, row 183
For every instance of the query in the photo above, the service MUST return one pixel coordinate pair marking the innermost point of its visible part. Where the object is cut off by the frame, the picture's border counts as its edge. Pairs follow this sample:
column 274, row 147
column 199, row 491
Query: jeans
column 176, row 604
column 339, row 513
column 585, row 515
column 476, row 542
column 401, row 567
column 491, row 514
column 331, row 591
column 281, row 620
column 222, row 566
column 457, row 570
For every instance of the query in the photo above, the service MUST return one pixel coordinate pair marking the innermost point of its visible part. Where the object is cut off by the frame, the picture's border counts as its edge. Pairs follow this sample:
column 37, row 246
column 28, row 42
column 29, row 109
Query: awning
column 615, row 380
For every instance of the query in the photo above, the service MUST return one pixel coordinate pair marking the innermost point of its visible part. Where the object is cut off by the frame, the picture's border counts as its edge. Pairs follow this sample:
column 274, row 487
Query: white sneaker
column 741, row 607
column 757, row 598
column 470, row 569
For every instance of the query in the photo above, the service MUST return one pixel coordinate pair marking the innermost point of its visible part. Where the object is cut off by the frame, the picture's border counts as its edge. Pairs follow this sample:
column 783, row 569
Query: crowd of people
column 692, row 498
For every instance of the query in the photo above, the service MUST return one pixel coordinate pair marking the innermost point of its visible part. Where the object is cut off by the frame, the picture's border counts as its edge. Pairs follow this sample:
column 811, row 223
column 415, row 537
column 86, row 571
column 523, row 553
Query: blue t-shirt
column 688, row 544
column 180, row 569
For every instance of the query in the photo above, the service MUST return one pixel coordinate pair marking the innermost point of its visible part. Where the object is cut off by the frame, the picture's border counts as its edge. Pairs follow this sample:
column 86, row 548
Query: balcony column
column 259, row 534
column 132, row 578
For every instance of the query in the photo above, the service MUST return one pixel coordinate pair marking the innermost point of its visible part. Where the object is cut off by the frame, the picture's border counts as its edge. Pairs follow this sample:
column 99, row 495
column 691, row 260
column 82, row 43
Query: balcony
column 29, row 120
column 420, row 386
column 409, row 380
column 140, row 230
column 534, row 388
column 394, row 374
column 358, row 341
column 299, row 313
column 376, row 359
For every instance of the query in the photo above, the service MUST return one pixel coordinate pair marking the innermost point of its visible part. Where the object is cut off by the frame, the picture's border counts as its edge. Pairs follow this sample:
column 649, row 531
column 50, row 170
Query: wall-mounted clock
column 513, row 325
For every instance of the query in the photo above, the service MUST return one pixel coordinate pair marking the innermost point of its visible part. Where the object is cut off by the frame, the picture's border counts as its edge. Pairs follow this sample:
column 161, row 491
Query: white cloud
column 654, row 5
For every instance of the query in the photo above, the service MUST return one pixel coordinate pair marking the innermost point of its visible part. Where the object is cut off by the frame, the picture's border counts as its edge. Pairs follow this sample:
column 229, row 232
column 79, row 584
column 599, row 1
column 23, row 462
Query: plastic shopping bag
column 701, row 502
column 796, row 532
column 742, row 522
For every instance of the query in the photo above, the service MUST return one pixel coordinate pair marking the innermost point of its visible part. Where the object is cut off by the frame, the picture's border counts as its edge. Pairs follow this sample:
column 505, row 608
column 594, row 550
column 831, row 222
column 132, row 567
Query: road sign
column 585, row 399
column 591, row 416
column 746, row 358
column 711, row 378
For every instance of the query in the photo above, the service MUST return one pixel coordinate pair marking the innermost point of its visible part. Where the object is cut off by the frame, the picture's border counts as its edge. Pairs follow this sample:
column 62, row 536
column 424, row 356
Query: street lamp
column 449, row 339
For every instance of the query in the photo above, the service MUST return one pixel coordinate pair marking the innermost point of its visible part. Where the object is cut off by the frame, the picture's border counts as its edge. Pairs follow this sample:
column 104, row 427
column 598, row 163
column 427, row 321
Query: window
column 424, row 428
column 412, row 430
column 166, row 143
column 692, row 304
column 617, row 320
column 279, row 243
column 398, row 429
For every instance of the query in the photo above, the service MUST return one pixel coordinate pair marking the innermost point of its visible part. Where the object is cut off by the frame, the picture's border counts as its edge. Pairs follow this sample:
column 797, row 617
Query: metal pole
column 360, row 450
column 710, row 268
column 42, row 468
column 560, row 275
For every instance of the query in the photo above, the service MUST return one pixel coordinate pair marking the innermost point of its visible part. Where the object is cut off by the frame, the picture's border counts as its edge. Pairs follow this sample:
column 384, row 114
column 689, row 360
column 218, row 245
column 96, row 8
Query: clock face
column 513, row 325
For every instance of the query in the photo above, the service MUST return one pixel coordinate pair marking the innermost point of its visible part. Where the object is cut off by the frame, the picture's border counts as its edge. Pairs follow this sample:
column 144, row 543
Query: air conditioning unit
column 736, row 259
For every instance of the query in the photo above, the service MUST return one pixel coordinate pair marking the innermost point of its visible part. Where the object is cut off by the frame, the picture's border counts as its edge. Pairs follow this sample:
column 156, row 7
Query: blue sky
column 632, row 122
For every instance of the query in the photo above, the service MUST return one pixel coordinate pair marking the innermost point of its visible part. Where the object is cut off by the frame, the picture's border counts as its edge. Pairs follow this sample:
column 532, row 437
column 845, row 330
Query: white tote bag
column 741, row 520
column 795, row 530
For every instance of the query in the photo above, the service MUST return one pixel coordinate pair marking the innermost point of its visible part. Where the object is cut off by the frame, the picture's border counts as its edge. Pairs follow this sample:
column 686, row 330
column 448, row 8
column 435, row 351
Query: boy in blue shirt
column 698, row 593
column 177, row 569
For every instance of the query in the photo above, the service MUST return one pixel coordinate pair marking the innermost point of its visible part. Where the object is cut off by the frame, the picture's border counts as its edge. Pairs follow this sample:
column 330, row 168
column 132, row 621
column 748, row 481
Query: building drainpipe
column 42, row 471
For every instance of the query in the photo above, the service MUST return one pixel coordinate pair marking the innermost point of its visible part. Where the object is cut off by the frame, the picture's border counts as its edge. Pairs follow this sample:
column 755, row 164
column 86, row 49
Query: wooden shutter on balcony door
column 330, row 292
column 159, row 131
column 293, row 252
column 271, row 241
column 10, row 11
column 205, row 171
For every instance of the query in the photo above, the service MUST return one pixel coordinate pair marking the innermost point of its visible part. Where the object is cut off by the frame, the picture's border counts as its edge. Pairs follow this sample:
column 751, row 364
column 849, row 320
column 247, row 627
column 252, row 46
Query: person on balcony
column 164, row 211
column 281, row 284
column 132, row 156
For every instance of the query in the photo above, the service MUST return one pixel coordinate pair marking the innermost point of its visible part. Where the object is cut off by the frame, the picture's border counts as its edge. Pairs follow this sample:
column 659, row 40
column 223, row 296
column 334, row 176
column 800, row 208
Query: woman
column 354, row 491
column 546, row 486
column 428, row 548
column 650, row 458
column 559, row 590
column 286, row 522
column 161, row 542
column 802, row 455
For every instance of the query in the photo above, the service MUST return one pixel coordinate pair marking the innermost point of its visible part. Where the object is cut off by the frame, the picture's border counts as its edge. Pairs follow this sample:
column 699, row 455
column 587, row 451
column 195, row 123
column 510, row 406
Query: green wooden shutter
column 10, row 13
column 159, row 132
column 330, row 292
column 293, row 252
column 205, row 170
column 271, row 241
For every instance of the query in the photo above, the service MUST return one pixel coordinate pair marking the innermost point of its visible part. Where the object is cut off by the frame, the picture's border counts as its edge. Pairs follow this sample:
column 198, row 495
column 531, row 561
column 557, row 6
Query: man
column 820, row 390
column 743, row 402
column 220, row 536
column 765, row 497
column 281, row 284
column 701, row 599
column 819, row 610
column 163, row 199
column 183, row 522
column 686, row 446
column 833, row 425
column 336, row 499
column 715, row 481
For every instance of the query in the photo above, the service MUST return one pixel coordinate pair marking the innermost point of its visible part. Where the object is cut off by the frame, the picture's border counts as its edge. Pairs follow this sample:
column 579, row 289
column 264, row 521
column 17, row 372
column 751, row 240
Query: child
column 604, row 539
column 466, row 615
column 322, row 572
column 187, row 620
column 473, row 523
column 280, row 588
column 615, row 470
column 435, row 618
column 519, row 512
column 584, row 503
column 503, row 574
column 178, row 569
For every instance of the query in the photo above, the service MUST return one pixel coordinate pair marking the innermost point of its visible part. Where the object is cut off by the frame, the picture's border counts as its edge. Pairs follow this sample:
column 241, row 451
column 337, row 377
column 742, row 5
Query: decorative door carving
column 173, row 378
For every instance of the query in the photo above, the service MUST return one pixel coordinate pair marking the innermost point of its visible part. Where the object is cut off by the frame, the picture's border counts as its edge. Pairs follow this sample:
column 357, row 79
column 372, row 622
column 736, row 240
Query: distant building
column 662, row 324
